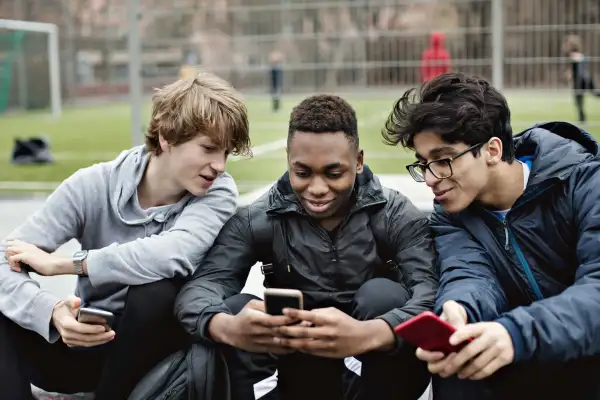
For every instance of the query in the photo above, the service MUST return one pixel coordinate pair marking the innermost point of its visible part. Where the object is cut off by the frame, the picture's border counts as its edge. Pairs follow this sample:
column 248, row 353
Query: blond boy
column 145, row 221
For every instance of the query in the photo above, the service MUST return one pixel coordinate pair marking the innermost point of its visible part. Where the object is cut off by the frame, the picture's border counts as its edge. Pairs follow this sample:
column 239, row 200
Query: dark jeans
column 525, row 381
column 301, row 376
column 146, row 332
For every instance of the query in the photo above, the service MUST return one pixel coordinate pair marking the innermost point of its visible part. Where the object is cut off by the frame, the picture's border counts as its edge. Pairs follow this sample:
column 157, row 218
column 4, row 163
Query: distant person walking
column 579, row 74
column 435, row 60
column 276, row 78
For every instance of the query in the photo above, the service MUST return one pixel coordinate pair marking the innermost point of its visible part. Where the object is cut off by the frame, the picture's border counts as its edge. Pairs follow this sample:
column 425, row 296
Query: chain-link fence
column 347, row 45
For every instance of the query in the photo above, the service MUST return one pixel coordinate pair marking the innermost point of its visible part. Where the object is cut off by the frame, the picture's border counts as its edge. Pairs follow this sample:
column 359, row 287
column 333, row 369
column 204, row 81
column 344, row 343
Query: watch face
column 80, row 255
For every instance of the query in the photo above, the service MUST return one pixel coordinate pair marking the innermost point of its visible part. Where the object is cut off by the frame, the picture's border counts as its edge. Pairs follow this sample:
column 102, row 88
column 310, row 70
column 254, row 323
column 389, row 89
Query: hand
column 252, row 329
column 456, row 315
column 490, row 350
column 43, row 263
column 334, row 334
column 73, row 332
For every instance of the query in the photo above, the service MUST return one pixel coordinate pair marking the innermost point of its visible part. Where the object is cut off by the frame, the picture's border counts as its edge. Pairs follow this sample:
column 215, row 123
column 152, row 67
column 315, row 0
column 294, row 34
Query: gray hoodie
column 98, row 206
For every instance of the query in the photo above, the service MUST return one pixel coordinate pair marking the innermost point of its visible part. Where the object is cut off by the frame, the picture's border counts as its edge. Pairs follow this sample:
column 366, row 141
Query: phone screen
column 275, row 304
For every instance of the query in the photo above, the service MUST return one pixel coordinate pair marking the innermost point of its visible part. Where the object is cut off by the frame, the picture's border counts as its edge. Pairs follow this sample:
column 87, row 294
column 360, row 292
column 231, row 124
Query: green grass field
column 84, row 136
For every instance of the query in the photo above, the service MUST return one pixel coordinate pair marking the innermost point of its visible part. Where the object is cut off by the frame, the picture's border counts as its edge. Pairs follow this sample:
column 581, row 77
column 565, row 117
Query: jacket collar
column 555, row 148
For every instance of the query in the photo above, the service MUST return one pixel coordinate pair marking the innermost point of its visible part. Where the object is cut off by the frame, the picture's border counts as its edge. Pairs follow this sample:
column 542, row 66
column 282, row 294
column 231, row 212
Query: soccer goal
column 42, row 77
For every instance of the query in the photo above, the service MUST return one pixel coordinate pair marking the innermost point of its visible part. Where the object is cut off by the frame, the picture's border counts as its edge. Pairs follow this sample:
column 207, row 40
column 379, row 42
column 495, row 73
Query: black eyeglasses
column 441, row 169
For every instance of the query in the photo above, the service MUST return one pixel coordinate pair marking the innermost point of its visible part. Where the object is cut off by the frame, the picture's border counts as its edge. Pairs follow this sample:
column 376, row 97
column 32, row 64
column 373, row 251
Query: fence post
column 135, row 69
column 497, row 38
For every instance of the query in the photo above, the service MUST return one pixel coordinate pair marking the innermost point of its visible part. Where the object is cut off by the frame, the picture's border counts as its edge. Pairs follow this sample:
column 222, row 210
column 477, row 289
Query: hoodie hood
column 126, row 173
column 555, row 149
column 437, row 40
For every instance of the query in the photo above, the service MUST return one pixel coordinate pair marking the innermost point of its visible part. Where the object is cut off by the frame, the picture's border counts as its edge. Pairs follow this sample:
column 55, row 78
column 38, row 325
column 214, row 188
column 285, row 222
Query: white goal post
column 53, row 56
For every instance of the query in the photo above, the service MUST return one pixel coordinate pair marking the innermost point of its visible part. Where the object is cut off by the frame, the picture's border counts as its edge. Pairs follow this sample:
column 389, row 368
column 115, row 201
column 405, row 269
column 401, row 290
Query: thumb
column 257, row 305
column 74, row 303
column 454, row 313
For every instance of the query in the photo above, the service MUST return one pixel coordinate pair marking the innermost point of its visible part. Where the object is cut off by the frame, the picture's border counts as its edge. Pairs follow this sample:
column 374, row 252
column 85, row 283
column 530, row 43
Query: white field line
column 263, row 149
column 257, row 151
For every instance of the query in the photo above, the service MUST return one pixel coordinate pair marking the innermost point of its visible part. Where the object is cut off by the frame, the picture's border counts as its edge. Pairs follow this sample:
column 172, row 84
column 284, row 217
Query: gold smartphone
column 278, row 299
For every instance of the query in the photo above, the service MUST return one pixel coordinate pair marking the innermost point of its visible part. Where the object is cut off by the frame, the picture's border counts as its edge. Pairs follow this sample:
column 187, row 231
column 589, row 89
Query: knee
column 156, row 297
column 237, row 302
column 378, row 296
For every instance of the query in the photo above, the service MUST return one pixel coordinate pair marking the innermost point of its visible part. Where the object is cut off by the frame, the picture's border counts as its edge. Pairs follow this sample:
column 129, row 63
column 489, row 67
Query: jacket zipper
column 324, row 234
column 510, row 239
column 533, row 284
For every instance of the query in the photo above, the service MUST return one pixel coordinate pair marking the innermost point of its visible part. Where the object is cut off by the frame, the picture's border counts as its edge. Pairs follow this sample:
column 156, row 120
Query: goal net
column 29, row 66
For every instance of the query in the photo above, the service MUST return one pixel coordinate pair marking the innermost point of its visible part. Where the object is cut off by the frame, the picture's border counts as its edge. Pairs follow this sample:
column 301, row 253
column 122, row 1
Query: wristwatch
column 78, row 259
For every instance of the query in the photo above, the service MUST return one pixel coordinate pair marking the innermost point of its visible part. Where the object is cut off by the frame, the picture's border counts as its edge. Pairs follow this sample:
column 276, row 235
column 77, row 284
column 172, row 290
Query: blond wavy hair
column 201, row 105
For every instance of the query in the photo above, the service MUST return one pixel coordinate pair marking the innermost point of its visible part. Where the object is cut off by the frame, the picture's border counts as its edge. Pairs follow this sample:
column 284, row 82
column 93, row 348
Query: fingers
column 315, row 316
column 306, row 332
column 315, row 347
column 14, row 261
column 14, row 258
column 479, row 363
column 88, row 342
column 259, row 318
column 269, row 345
column 467, row 332
column 15, row 246
column 440, row 367
column 77, row 339
column 488, row 370
column 429, row 356
column 72, row 325
column 73, row 303
column 468, row 353
column 453, row 314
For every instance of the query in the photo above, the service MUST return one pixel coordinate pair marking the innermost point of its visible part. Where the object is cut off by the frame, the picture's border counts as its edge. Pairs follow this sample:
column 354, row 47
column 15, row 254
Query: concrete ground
column 13, row 211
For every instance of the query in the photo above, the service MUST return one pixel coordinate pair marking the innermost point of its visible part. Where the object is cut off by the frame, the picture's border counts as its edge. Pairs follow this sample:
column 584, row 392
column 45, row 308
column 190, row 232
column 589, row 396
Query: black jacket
column 327, row 271
column 539, row 273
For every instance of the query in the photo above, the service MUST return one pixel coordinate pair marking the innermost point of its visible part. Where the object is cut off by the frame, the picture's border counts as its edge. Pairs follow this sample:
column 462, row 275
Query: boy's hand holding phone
column 335, row 334
column 73, row 332
column 252, row 329
column 437, row 361
column 490, row 347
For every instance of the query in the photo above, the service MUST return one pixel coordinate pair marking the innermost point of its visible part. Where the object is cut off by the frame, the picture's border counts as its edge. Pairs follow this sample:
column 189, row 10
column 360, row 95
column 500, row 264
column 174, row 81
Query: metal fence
column 325, row 44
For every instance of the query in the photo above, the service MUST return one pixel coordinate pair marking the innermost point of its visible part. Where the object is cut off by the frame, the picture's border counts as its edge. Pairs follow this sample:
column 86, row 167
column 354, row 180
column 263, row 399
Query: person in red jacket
column 435, row 60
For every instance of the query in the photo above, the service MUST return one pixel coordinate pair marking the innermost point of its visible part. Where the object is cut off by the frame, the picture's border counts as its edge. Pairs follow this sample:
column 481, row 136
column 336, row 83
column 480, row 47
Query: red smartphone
column 429, row 332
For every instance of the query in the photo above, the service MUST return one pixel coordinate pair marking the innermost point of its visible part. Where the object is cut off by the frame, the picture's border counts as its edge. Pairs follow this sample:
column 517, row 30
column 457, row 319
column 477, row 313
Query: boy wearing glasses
column 517, row 222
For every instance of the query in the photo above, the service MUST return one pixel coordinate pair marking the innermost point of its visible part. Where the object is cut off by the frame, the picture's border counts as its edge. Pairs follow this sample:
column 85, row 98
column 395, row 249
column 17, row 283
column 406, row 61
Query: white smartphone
column 96, row 316
column 278, row 299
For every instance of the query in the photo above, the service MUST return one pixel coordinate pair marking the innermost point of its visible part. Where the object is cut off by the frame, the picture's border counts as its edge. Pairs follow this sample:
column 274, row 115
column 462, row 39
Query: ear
column 164, row 145
column 493, row 152
column 360, row 162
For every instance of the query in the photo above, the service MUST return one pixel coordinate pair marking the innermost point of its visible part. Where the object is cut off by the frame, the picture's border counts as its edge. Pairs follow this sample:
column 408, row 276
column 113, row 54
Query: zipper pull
column 505, row 235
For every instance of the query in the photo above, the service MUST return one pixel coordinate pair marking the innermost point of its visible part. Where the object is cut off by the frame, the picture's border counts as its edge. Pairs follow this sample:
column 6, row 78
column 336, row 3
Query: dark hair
column 459, row 107
column 324, row 114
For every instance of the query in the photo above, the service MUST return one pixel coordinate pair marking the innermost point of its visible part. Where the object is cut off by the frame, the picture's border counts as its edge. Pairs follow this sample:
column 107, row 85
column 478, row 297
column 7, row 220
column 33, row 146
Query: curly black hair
column 324, row 113
column 457, row 106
